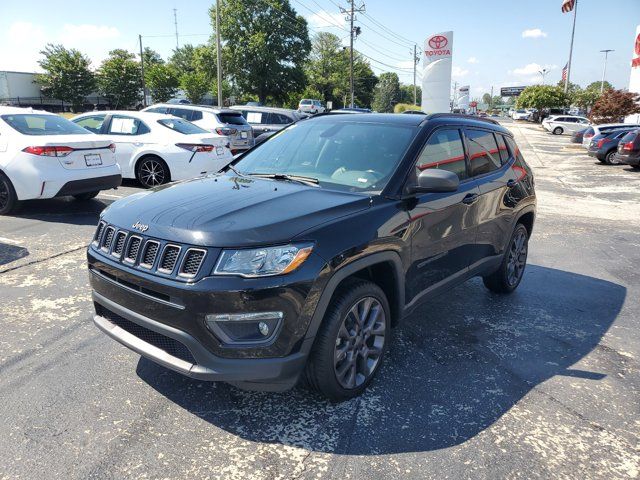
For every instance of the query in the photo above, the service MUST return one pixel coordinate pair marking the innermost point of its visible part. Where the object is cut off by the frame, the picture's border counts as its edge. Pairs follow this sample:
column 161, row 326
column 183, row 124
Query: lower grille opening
column 167, row 344
column 133, row 286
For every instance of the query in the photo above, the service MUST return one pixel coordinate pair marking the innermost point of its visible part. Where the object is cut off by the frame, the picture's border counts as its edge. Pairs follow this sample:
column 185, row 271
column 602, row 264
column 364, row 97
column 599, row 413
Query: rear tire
column 82, row 197
column 8, row 199
column 351, row 341
column 508, row 276
column 609, row 159
column 152, row 171
column 558, row 131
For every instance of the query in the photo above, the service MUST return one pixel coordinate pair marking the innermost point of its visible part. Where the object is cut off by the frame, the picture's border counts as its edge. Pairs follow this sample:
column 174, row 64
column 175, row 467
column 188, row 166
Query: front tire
column 86, row 196
column 558, row 131
column 152, row 171
column 508, row 276
column 8, row 198
column 351, row 341
column 610, row 159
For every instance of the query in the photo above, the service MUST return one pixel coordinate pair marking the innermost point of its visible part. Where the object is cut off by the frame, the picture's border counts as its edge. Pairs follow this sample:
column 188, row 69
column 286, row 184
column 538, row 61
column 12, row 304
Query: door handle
column 511, row 183
column 470, row 198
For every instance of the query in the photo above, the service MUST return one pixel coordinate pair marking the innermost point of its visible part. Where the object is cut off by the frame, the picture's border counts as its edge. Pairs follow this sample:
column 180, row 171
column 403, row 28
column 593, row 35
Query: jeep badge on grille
column 141, row 227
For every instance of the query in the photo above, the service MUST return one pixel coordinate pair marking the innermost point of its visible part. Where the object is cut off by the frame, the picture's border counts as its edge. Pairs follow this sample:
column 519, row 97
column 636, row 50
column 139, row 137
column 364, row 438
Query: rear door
column 129, row 135
column 489, row 160
column 443, row 225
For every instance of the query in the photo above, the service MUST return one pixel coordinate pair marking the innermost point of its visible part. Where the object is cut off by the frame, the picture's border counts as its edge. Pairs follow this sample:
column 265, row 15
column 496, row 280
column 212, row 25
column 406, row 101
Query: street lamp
column 543, row 72
column 604, row 70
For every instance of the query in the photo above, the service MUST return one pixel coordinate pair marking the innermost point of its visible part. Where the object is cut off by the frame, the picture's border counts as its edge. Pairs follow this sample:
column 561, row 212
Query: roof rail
column 433, row 116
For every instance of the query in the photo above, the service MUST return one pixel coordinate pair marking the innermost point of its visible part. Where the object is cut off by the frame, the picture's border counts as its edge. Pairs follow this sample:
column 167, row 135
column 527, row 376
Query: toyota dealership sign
column 436, row 74
column 634, row 80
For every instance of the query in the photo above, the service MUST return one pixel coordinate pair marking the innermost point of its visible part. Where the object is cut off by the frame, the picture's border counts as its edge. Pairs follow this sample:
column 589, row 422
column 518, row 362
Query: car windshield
column 232, row 118
column 181, row 126
column 43, row 124
column 305, row 102
column 346, row 155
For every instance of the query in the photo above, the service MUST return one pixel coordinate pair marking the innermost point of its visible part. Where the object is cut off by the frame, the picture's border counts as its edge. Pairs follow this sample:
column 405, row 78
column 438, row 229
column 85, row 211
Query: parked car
column 310, row 106
column 268, row 119
column 521, row 114
column 43, row 155
column 629, row 149
column 311, row 246
column 602, row 128
column 562, row 124
column 576, row 137
column 222, row 121
column 605, row 146
column 156, row 148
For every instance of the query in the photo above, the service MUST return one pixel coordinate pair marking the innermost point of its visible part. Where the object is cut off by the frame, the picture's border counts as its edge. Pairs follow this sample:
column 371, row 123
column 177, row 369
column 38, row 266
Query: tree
column 573, row 89
column 486, row 98
column 387, row 92
column 266, row 55
column 195, row 86
column 586, row 98
column 596, row 86
column 406, row 94
column 542, row 96
column 68, row 76
column 162, row 81
column 119, row 79
column 614, row 105
column 183, row 59
column 151, row 57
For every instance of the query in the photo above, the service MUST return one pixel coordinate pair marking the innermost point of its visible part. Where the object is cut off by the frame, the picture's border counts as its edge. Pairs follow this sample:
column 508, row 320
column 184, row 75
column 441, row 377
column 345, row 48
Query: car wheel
column 86, row 196
column 610, row 158
column 152, row 171
column 351, row 342
column 558, row 131
column 8, row 198
column 508, row 276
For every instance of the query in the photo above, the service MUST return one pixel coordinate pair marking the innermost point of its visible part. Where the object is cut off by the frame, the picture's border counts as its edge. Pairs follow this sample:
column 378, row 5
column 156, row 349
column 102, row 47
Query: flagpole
column 573, row 31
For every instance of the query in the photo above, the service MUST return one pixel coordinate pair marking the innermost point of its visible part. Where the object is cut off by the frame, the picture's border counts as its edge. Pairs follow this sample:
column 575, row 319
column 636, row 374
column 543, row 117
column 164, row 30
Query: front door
column 442, row 225
column 128, row 133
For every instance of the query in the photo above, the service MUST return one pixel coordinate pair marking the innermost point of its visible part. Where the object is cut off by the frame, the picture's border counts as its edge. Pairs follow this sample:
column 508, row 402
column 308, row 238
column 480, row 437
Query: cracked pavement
column 544, row 383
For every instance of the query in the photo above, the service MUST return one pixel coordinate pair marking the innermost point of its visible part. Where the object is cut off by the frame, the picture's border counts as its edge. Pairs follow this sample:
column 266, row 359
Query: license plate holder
column 92, row 159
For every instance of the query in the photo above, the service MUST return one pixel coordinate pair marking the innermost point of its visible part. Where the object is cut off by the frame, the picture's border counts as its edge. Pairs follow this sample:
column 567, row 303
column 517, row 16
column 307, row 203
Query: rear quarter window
column 483, row 152
column 235, row 118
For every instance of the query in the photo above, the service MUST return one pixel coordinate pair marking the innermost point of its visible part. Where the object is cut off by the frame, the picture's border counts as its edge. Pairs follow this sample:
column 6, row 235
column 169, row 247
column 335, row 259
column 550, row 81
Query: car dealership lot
column 542, row 383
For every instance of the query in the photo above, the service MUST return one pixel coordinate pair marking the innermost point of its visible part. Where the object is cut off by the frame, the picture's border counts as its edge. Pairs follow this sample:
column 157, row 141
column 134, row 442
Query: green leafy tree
column 486, row 98
column 151, row 57
column 119, row 79
column 406, row 94
column 266, row 55
column 542, row 96
column 572, row 91
column 596, row 86
column 387, row 92
column 68, row 76
column 183, row 59
column 162, row 81
column 586, row 98
column 614, row 105
column 195, row 86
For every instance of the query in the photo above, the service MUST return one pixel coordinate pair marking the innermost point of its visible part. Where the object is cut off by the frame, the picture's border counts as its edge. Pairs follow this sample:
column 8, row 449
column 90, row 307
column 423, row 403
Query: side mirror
column 434, row 180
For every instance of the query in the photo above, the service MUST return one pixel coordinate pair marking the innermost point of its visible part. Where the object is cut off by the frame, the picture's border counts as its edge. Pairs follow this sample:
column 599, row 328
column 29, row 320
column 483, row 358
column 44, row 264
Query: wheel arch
column 142, row 156
column 527, row 219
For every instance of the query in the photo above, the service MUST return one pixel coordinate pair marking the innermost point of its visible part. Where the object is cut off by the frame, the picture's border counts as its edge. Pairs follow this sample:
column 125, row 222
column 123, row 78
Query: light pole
column 543, row 72
column 604, row 70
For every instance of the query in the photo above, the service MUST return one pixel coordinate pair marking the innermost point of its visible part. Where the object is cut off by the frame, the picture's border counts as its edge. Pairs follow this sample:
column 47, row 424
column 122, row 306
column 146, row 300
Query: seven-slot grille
column 137, row 251
column 192, row 261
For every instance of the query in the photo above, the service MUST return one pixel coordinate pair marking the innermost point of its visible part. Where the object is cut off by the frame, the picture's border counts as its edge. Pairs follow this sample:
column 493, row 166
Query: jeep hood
column 232, row 211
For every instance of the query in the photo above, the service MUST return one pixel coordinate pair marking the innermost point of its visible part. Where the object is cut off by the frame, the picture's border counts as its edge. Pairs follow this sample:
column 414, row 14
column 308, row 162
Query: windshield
column 181, row 126
column 347, row 155
column 43, row 124
column 232, row 118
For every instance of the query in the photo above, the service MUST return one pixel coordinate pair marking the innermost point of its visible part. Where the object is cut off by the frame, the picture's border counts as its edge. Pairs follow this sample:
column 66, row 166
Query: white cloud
column 531, row 69
column 534, row 33
column 472, row 60
column 458, row 72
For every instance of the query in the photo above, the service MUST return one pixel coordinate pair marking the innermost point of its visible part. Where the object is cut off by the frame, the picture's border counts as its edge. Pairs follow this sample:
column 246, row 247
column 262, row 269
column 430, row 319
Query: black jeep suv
column 297, row 260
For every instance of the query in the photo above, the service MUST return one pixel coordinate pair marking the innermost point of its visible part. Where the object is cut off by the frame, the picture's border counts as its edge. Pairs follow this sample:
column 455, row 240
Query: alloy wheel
column 611, row 159
column 152, row 173
column 517, row 258
column 360, row 343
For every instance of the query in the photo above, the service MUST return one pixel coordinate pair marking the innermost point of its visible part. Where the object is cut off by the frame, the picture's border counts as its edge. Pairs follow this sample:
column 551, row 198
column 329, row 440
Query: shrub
column 403, row 107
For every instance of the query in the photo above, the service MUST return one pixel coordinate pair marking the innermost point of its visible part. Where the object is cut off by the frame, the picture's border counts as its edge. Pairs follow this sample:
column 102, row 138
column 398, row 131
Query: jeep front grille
column 108, row 238
column 118, row 246
column 96, row 237
column 191, row 262
column 169, row 258
column 149, row 253
column 133, row 249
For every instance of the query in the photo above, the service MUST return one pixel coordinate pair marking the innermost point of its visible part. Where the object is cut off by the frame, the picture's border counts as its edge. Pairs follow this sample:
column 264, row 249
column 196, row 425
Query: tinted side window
column 127, row 126
column 502, row 149
column 444, row 150
column 483, row 152
column 195, row 115
column 181, row 112
column 158, row 110
column 93, row 124
column 279, row 119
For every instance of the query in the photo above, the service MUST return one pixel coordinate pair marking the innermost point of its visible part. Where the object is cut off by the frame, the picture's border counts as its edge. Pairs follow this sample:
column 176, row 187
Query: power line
column 391, row 32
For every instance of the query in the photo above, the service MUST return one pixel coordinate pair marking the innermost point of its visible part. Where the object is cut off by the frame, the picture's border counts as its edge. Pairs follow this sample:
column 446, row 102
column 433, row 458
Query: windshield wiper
column 233, row 169
column 291, row 178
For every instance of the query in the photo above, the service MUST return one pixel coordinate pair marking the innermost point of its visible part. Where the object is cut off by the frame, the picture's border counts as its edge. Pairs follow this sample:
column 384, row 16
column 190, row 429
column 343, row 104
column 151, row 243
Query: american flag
column 564, row 72
column 567, row 5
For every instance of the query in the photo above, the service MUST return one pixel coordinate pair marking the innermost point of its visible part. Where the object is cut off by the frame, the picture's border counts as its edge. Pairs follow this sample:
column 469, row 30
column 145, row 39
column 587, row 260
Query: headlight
column 262, row 262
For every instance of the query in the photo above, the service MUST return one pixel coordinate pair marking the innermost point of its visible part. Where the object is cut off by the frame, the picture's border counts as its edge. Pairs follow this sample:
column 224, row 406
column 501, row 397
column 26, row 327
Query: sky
column 496, row 43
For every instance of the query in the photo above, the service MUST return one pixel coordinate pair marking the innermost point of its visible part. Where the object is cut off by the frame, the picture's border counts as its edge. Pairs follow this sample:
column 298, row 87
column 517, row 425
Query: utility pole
column 218, row 53
column 175, row 22
column 353, row 32
column 144, row 84
column 604, row 70
column 573, row 31
column 491, row 101
column 416, row 59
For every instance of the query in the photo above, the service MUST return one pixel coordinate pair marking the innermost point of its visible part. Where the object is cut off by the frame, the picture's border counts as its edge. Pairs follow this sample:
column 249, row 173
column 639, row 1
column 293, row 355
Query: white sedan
column 43, row 155
column 560, row 124
column 156, row 148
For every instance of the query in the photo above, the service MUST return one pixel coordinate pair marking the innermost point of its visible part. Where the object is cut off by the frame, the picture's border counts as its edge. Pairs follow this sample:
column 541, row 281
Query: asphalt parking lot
column 544, row 383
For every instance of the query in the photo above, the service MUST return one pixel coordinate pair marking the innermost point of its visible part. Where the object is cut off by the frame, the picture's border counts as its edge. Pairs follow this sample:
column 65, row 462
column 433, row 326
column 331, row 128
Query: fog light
column 242, row 328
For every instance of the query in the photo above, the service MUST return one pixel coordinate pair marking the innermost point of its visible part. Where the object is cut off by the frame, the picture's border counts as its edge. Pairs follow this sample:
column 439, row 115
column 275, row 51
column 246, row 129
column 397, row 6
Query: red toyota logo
column 637, row 44
column 438, row 42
